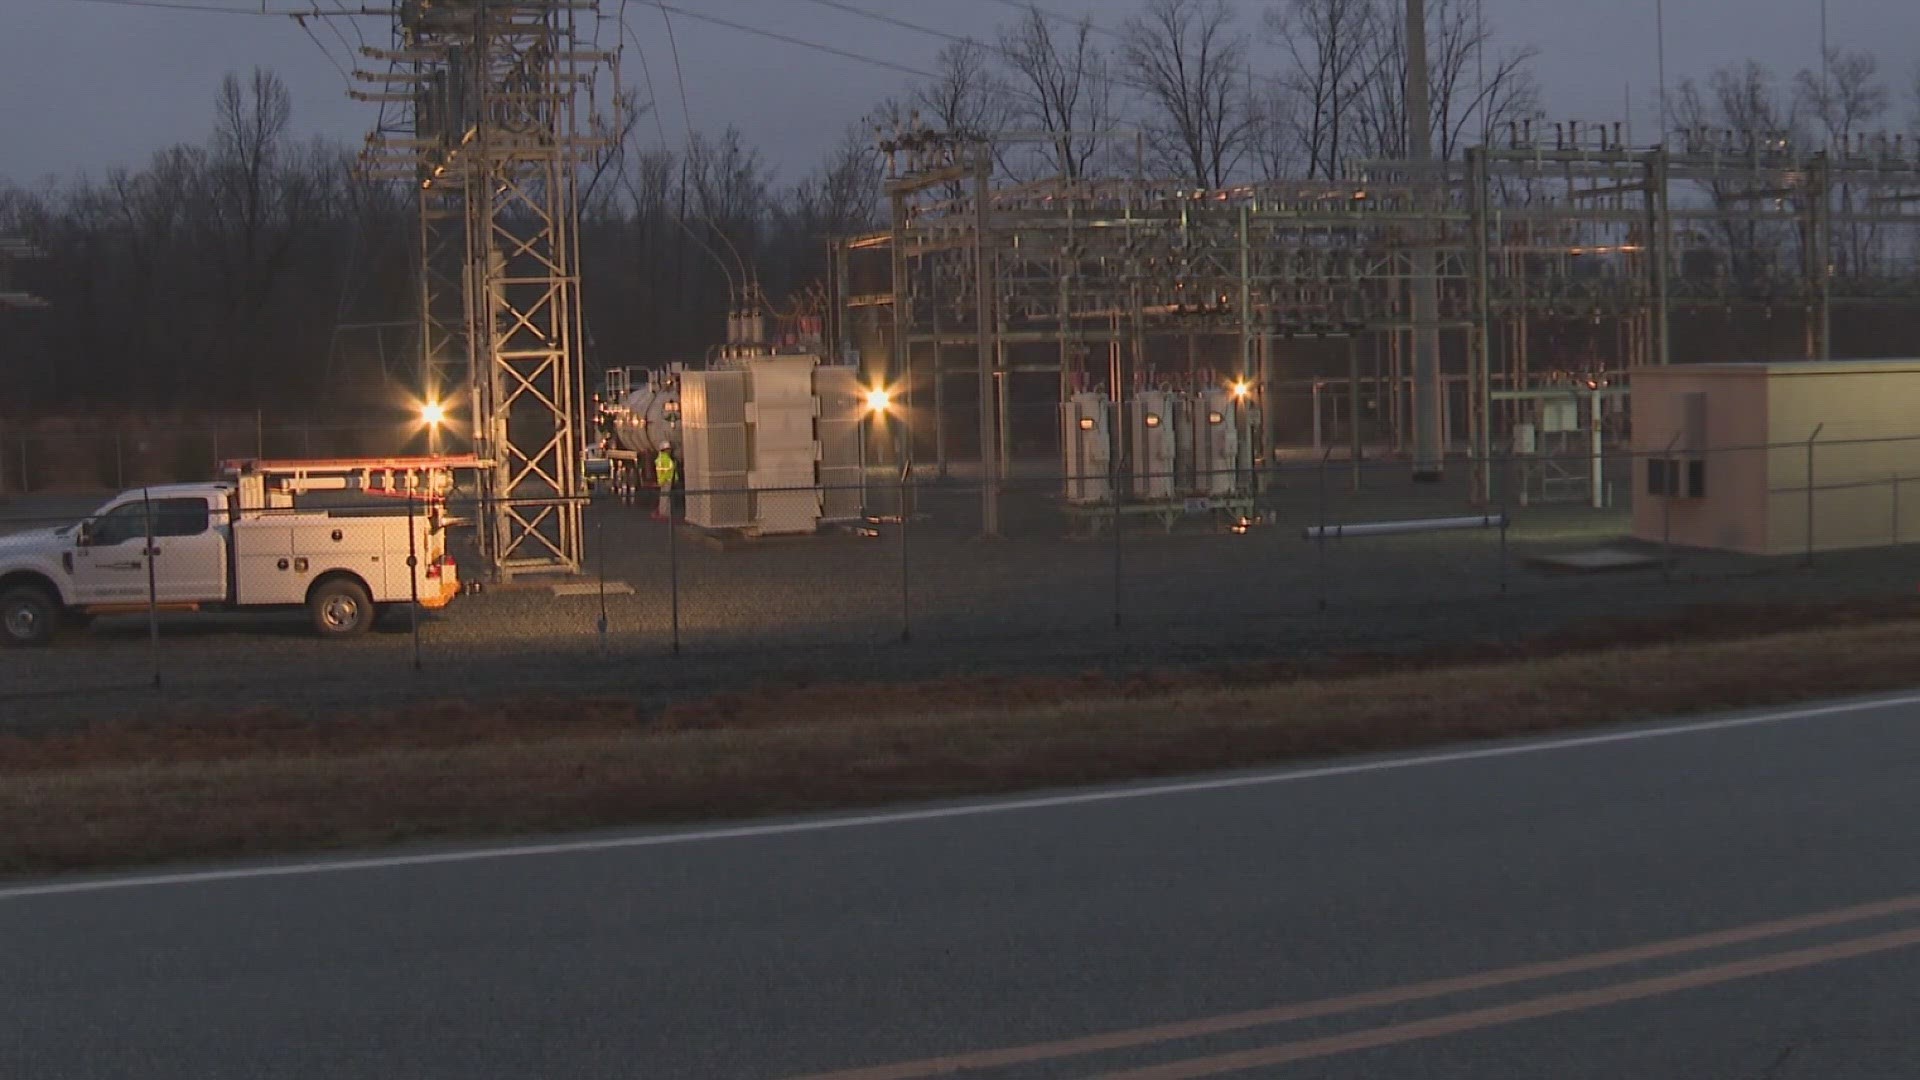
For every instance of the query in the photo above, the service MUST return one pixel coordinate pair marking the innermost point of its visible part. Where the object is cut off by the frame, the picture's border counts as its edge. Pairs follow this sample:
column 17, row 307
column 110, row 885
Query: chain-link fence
column 229, row 611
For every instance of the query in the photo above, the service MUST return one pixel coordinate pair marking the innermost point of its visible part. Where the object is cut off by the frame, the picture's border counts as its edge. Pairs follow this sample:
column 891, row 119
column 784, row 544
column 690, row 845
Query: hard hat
column 666, row 446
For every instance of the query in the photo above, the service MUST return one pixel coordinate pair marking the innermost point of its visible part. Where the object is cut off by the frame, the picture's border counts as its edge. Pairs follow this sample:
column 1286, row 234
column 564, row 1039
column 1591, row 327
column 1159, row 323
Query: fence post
column 1504, row 479
column 1321, row 543
column 600, row 558
column 673, row 564
column 1118, row 586
column 1808, row 561
column 413, row 573
column 1666, row 510
column 153, row 588
column 906, row 567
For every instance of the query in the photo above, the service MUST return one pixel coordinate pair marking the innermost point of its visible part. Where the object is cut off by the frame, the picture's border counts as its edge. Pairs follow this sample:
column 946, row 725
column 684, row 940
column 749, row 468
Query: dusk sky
column 92, row 85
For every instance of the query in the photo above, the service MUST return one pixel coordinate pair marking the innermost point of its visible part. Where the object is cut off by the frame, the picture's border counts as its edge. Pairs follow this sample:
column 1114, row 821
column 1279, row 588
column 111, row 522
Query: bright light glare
column 879, row 400
column 1241, row 389
column 433, row 413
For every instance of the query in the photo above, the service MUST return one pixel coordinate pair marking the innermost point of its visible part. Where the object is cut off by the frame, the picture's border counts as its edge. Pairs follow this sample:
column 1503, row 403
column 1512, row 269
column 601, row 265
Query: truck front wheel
column 340, row 608
column 28, row 618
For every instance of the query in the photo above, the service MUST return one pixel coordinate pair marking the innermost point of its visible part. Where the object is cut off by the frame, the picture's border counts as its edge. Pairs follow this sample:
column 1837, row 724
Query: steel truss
column 1518, row 234
column 487, row 122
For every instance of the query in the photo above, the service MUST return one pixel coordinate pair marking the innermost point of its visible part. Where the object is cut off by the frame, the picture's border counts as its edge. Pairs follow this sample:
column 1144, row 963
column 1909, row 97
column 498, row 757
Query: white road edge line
column 942, row 813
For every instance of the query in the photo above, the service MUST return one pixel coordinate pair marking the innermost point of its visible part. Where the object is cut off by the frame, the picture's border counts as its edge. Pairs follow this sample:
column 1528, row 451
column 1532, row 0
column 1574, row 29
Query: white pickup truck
column 196, row 547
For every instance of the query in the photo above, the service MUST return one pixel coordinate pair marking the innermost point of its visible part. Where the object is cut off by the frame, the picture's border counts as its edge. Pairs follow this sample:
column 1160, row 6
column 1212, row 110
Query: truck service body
column 225, row 545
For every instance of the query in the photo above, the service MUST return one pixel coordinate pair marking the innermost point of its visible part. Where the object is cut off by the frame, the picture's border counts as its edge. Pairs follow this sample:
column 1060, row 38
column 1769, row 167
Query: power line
column 646, row 70
column 335, row 27
column 838, row 5
column 1065, row 20
column 786, row 39
column 686, row 112
column 324, row 51
column 679, row 76
column 172, row 5
column 339, row 10
column 216, row 9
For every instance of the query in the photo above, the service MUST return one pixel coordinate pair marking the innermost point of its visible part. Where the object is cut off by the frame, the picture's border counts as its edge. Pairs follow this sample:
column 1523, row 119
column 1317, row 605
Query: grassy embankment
column 183, row 788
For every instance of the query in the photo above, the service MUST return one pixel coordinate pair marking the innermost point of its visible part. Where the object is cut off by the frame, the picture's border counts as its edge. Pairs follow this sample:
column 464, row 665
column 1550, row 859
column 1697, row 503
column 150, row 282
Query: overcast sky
column 93, row 85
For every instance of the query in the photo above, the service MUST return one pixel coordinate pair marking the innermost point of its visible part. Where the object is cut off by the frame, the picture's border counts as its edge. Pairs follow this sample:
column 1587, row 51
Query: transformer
column 1154, row 419
column 643, row 418
column 772, row 445
column 1086, row 437
column 1210, row 444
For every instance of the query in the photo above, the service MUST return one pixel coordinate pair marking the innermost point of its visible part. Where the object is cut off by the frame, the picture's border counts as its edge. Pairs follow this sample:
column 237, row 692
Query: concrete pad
column 1596, row 560
column 592, row 588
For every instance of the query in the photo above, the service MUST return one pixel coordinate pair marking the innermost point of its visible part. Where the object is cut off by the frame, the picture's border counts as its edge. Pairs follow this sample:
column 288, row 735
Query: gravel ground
column 836, row 607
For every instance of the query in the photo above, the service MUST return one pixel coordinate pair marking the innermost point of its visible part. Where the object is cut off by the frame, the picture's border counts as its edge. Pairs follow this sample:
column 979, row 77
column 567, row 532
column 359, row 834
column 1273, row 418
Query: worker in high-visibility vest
column 666, row 473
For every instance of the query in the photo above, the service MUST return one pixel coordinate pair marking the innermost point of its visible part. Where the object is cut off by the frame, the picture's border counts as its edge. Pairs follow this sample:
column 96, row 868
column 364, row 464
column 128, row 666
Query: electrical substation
column 1159, row 346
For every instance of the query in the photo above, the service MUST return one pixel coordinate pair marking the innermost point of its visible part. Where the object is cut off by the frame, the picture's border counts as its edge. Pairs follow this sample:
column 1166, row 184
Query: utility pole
column 984, row 299
column 1429, row 398
column 1660, row 61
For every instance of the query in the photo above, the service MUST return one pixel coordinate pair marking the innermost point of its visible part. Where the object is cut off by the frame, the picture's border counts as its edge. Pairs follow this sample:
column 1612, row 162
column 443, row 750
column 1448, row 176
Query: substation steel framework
column 1581, row 227
column 482, row 104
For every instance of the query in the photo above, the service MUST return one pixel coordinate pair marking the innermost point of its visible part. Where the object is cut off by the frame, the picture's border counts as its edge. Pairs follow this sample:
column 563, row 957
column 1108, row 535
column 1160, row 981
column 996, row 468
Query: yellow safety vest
column 664, row 469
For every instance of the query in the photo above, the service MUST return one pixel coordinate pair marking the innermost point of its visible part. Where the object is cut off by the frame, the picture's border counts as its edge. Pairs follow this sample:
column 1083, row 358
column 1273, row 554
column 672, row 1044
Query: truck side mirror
column 83, row 536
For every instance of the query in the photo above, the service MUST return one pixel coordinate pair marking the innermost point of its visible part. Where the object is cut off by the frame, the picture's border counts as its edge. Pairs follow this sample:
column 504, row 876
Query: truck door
column 191, row 554
column 111, row 566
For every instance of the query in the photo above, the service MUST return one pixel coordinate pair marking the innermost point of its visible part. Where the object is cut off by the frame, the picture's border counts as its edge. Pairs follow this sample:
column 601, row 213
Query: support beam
column 1429, row 395
column 988, row 345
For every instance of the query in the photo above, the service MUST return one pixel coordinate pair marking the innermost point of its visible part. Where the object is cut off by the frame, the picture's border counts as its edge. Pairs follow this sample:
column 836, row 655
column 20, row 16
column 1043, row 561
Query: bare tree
column 264, row 197
column 613, row 131
column 842, row 196
column 839, row 198
column 1840, row 104
column 1848, row 96
column 1061, row 84
column 1331, row 46
column 1188, row 61
column 969, row 97
column 1274, row 142
column 1742, row 108
column 1744, row 101
column 1473, row 90
column 725, row 188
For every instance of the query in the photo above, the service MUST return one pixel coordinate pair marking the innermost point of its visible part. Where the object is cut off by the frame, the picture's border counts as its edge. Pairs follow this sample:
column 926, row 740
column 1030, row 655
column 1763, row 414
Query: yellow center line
column 1371, row 999
column 1532, row 1009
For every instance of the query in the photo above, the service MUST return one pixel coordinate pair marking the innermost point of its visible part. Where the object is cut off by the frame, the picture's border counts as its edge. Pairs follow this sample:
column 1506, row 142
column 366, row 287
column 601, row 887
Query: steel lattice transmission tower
column 484, row 111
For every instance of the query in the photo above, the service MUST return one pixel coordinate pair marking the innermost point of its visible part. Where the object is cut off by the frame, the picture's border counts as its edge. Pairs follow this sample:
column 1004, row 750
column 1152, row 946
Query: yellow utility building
column 1725, row 455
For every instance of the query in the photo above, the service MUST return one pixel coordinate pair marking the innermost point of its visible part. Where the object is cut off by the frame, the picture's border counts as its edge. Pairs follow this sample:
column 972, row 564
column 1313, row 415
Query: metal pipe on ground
column 1397, row 528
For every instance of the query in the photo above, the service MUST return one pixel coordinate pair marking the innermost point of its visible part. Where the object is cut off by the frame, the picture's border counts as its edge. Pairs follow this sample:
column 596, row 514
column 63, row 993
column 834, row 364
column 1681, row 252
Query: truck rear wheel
column 28, row 618
column 340, row 608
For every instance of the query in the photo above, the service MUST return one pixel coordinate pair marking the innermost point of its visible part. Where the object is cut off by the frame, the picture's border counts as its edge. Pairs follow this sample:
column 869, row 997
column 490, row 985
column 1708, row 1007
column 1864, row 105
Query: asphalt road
column 827, row 944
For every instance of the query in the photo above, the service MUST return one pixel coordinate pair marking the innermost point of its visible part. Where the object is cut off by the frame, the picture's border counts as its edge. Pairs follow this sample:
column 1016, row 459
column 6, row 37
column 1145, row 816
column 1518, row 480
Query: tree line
column 253, row 270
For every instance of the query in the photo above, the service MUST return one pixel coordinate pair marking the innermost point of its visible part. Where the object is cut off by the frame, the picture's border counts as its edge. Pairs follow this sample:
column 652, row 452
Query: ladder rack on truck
column 267, row 483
